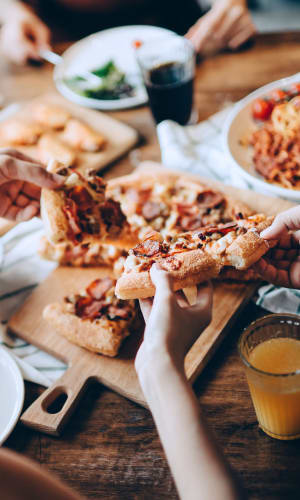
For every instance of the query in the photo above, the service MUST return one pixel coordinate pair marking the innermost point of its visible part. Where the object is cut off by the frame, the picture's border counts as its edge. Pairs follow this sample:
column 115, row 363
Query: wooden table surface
column 110, row 449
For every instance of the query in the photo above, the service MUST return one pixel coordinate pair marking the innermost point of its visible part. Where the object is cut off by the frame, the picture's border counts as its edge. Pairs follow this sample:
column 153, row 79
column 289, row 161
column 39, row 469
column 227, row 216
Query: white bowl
column 237, row 126
column 11, row 394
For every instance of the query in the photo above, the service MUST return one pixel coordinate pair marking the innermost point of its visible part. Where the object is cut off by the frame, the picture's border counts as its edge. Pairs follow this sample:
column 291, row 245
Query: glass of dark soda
column 168, row 70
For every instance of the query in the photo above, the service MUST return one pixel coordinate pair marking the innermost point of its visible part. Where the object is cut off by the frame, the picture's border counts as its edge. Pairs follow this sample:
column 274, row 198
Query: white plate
column 97, row 49
column 11, row 394
column 238, row 124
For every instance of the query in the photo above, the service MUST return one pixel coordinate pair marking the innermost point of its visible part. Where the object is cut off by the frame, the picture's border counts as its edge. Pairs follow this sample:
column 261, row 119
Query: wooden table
column 110, row 449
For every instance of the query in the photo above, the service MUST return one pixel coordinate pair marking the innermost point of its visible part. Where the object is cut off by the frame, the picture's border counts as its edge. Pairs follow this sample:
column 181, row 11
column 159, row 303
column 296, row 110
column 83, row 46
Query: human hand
column 23, row 34
column 281, row 265
column 172, row 326
column 227, row 24
column 21, row 180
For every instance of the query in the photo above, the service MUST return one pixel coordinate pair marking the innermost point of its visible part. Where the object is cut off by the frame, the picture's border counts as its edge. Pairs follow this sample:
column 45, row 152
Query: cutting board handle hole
column 55, row 401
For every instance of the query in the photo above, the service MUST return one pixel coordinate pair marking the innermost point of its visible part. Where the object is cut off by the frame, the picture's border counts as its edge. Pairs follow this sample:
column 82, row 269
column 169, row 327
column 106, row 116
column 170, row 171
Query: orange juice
column 276, row 393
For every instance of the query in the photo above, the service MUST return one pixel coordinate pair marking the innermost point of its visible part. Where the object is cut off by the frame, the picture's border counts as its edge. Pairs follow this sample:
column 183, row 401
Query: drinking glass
column 168, row 70
column 275, row 395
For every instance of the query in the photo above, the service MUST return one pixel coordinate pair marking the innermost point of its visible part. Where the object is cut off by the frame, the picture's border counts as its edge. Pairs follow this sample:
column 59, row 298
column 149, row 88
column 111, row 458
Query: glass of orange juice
column 270, row 350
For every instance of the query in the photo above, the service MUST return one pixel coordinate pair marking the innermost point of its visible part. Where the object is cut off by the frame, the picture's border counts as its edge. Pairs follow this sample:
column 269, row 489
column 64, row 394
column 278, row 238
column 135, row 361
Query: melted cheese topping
column 286, row 119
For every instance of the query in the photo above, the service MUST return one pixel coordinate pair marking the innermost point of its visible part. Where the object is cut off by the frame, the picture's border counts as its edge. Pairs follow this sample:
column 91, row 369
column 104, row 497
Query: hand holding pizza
column 21, row 180
column 281, row 265
column 172, row 326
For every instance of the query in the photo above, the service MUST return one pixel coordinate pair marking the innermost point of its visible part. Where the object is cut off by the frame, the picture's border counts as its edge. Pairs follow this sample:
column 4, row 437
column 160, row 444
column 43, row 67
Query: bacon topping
column 81, row 197
column 210, row 199
column 150, row 210
column 112, row 215
column 190, row 223
column 70, row 211
column 98, row 288
column 89, row 308
column 221, row 228
column 147, row 248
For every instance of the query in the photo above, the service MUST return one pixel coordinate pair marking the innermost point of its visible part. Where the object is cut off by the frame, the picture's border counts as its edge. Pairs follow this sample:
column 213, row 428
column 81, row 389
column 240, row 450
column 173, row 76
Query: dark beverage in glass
column 168, row 71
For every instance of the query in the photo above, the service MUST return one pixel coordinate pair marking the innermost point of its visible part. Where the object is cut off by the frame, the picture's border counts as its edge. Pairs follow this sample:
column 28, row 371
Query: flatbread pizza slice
column 182, row 256
column 193, row 257
column 87, row 254
column 170, row 203
column 94, row 319
column 79, row 211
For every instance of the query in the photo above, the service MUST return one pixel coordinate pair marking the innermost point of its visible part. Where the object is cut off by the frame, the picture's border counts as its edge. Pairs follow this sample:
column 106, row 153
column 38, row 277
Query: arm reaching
column 21, row 180
column 227, row 25
column 281, row 265
column 198, row 467
column 23, row 34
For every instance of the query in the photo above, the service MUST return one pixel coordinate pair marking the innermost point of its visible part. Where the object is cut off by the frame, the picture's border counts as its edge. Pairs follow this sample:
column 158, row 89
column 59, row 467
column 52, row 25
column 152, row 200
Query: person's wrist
column 155, row 362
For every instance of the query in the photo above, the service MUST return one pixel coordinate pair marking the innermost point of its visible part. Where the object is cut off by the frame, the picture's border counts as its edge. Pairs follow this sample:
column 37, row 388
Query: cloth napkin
column 21, row 269
column 198, row 149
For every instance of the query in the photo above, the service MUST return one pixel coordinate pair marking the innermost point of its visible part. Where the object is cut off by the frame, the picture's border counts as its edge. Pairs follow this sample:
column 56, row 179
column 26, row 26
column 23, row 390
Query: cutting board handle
column 51, row 411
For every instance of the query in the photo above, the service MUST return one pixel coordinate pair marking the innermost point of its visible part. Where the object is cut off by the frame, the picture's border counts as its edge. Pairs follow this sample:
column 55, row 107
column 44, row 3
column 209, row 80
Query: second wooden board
column 119, row 137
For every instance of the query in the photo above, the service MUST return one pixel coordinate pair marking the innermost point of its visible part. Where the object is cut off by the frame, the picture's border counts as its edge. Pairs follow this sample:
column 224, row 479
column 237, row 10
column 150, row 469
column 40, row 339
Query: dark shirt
column 73, row 23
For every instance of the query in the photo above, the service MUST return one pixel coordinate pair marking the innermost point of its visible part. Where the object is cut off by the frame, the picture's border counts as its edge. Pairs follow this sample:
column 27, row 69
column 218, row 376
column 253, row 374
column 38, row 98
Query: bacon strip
column 221, row 228
column 150, row 210
column 89, row 308
column 98, row 288
column 210, row 199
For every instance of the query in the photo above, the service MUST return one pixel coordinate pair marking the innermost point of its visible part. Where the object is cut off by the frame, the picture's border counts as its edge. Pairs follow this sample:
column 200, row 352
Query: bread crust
column 102, row 336
column 196, row 267
column 248, row 248
column 54, row 219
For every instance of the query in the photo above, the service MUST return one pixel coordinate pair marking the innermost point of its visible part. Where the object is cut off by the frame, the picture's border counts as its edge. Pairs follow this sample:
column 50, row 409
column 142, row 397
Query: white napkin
column 21, row 269
column 198, row 149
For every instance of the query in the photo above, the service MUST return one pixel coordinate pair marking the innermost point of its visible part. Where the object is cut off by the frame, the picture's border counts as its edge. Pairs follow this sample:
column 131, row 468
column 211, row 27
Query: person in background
column 227, row 24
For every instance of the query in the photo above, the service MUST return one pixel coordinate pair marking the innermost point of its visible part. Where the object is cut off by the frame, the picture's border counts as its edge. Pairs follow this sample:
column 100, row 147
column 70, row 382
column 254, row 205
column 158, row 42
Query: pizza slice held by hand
column 193, row 257
column 79, row 211
column 94, row 319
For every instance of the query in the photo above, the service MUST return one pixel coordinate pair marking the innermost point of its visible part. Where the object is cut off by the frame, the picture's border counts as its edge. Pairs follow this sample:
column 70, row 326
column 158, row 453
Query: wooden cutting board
column 120, row 138
column 119, row 373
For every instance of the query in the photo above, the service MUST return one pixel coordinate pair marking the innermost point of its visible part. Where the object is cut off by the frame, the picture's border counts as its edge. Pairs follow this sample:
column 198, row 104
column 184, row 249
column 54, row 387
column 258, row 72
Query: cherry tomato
column 278, row 95
column 137, row 44
column 295, row 88
column 261, row 109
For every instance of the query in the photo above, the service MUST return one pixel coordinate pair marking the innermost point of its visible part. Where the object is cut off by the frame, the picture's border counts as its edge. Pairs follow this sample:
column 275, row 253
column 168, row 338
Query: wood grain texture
column 110, row 449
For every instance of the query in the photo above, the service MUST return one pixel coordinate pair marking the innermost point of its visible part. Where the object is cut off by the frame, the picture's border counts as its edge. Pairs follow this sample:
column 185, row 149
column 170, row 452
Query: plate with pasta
column 261, row 138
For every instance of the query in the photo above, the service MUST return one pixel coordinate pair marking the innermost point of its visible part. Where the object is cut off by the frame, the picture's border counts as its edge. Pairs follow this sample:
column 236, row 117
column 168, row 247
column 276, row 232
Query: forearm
column 197, row 465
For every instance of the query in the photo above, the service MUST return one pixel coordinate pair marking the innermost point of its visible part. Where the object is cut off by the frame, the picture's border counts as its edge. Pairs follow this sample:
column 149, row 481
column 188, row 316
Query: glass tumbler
column 270, row 351
column 168, row 70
